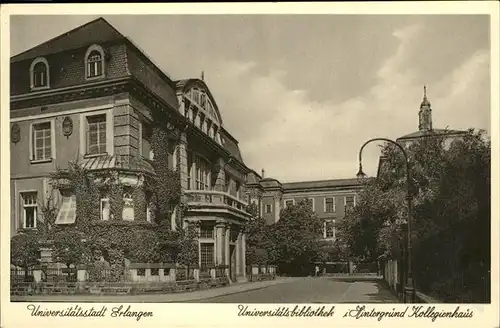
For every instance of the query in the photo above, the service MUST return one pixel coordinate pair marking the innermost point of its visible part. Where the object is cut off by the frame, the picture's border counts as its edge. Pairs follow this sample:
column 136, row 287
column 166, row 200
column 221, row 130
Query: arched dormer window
column 94, row 62
column 39, row 74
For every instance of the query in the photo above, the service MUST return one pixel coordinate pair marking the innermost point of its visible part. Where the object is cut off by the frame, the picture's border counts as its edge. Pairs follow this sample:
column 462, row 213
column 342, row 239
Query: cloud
column 296, row 138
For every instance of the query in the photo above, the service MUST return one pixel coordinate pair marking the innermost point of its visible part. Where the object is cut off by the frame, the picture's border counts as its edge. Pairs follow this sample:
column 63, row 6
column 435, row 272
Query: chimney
column 262, row 175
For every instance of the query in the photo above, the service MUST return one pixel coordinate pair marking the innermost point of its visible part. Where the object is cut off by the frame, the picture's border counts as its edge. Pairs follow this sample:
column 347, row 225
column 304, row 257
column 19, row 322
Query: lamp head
column 360, row 175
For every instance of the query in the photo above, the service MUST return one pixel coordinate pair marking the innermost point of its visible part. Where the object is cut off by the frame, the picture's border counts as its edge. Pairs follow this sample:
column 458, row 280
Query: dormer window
column 94, row 62
column 39, row 74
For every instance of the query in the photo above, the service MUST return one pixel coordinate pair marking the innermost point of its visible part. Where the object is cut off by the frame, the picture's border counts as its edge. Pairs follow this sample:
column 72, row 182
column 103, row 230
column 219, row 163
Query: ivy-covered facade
column 152, row 152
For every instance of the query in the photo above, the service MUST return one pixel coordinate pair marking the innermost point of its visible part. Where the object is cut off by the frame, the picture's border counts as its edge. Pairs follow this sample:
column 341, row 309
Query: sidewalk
column 158, row 298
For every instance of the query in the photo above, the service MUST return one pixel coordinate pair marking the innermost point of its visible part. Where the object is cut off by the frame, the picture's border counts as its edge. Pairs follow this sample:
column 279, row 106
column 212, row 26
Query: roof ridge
column 65, row 34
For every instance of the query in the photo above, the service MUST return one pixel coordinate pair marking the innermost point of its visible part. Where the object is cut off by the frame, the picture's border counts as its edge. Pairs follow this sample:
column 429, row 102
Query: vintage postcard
column 255, row 164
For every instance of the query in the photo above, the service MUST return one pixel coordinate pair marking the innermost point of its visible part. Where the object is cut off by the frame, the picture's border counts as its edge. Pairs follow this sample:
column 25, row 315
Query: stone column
column 220, row 244
column 220, row 179
column 238, row 255
column 183, row 162
column 227, row 254
column 243, row 252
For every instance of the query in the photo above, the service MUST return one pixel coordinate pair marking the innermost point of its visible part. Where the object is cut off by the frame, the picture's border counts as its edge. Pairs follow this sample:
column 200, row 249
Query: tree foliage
column 450, row 217
column 296, row 239
column 69, row 247
column 25, row 250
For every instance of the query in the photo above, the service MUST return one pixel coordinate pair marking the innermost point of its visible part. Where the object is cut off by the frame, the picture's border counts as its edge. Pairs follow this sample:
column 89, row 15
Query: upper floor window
column 96, row 134
column 105, row 207
column 289, row 202
column 310, row 202
column 268, row 208
column 30, row 208
column 202, row 174
column 329, row 204
column 349, row 201
column 94, row 62
column 42, row 142
column 128, row 207
column 39, row 73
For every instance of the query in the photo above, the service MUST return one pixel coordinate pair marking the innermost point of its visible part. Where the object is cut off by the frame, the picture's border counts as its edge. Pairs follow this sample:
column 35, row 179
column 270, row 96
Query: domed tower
column 425, row 114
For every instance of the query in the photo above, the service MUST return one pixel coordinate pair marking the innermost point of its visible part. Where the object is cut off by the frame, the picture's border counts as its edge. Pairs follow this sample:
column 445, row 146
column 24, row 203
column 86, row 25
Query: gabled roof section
column 183, row 86
column 96, row 31
column 231, row 145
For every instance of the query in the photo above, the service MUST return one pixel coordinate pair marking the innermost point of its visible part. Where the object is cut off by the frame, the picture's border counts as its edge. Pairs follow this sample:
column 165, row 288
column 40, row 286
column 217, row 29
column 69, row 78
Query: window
column 96, row 134
column 30, row 207
column 146, row 133
column 207, row 231
column 349, row 201
column 329, row 204
column 268, row 208
column 105, row 209
column 289, row 202
column 206, row 254
column 67, row 212
column 42, row 141
column 94, row 64
column 202, row 174
column 128, row 207
column 148, row 206
column 39, row 73
column 329, row 229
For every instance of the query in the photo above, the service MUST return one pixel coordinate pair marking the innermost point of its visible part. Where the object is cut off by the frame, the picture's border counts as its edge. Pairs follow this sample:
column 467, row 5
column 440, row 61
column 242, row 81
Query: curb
column 229, row 292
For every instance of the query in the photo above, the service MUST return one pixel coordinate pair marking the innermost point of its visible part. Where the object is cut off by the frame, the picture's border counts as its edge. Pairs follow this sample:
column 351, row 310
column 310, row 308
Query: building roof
column 96, row 31
column 433, row 132
column 333, row 183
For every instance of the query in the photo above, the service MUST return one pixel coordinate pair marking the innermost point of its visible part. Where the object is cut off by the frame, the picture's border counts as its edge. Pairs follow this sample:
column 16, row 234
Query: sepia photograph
column 246, row 159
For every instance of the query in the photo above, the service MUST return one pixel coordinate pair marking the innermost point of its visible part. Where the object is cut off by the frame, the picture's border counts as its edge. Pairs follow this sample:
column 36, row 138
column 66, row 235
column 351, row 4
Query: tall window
column 42, row 141
column 96, row 134
column 349, row 201
column 30, row 207
column 94, row 64
column 268, row 208
column 39, row 75
column 206, row 254
column 202, row 174
column 329, row 229
column 310, row 201
column 146, row 133
column 105, row 209
column 329, row 204
column 128, row 207
column 67, row 212
column 207, row 231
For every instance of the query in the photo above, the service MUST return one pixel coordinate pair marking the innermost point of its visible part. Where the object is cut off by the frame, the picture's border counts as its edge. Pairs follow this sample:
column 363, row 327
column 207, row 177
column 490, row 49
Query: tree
column 451, row 214
column 257, row 241
column 69, row 247
column 296, row 239
column 188, row 247
column 25, row 250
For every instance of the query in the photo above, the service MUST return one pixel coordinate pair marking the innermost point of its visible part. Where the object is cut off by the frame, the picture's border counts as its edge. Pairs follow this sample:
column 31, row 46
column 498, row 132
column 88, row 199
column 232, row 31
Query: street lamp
column 409, row 290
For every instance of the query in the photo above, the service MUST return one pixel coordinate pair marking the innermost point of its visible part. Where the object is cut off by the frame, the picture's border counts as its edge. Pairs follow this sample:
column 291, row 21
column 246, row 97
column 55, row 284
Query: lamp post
column 409, row 290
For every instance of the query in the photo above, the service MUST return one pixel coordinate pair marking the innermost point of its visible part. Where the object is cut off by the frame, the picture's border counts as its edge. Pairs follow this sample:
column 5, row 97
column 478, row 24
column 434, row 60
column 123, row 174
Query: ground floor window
column 30, row 208
column 105, row 209
column 329, row 229
column 206, row 254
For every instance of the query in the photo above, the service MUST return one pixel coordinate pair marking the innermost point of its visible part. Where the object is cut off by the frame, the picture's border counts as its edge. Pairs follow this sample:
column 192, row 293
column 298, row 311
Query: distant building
column 329, row 198
column 425, row 130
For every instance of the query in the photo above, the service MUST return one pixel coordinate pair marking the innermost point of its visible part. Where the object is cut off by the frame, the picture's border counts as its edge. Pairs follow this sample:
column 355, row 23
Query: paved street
column 282, row 290
column 314, row 290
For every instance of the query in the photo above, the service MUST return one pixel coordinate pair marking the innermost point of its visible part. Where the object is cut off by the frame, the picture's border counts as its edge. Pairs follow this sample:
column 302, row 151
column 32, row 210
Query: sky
column 302, row 93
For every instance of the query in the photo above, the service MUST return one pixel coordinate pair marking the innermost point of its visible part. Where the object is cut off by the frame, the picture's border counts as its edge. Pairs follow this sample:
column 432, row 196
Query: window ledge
column 92, row 78
column 40, row 161
column 40, row 88
column 26, row 229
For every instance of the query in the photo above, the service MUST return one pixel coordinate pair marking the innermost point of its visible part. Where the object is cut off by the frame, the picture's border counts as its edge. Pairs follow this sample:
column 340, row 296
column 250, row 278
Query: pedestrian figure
column 316, row 271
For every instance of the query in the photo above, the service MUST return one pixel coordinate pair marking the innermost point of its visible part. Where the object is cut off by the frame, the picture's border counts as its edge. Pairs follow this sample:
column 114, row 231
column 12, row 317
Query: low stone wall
column 261, row 272
column 138, row 278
